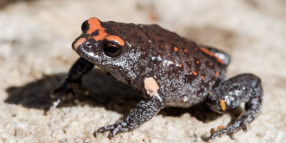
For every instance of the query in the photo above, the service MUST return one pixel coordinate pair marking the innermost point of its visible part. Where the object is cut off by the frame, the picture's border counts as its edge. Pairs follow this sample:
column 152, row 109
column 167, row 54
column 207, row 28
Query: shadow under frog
column 120, row 99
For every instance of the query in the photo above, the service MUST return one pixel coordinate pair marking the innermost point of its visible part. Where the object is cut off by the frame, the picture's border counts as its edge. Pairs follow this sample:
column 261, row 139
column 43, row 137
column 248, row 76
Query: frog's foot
column 239, row 123
column 66, row 93
column 114, row 129
column 230, row 94
column 143, row 112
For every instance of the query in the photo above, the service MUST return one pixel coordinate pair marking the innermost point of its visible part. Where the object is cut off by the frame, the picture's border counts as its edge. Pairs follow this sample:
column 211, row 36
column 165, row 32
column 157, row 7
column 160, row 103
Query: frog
column 167, row 69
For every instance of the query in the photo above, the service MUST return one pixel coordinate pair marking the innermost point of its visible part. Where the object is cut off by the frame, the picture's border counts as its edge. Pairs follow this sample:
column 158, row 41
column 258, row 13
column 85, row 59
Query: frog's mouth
column 88, row 55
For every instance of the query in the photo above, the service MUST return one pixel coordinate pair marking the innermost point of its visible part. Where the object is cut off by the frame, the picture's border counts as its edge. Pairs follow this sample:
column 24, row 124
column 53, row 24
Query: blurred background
column 36, row 53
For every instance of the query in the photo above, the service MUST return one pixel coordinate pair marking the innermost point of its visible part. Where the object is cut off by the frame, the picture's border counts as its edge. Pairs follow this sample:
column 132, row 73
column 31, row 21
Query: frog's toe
column 114, row 129
column 218, row 133
column 56, row 103
column 238, row 124
column 61, row 98
column 105, row 128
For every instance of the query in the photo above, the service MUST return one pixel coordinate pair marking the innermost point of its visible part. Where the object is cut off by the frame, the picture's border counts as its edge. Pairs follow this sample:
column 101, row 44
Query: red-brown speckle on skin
column 195, row 73
column 176, row 49
column 186, row 51
column 216, row 74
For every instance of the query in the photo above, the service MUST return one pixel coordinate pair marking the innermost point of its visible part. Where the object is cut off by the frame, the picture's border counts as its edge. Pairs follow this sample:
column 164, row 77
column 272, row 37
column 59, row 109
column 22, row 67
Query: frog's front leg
column 72, row 83
column 143, row 112
column 229, row 94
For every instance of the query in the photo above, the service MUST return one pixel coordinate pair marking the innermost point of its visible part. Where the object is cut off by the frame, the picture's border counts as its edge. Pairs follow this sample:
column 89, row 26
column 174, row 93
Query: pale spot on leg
column 151, row 86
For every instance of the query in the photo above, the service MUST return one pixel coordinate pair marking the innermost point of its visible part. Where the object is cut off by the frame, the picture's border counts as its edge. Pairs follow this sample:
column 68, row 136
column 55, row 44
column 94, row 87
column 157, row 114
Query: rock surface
column 35, row 55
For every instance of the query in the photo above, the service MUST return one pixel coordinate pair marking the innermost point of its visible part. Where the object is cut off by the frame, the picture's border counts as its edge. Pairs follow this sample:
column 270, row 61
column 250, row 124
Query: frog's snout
column 77, row 43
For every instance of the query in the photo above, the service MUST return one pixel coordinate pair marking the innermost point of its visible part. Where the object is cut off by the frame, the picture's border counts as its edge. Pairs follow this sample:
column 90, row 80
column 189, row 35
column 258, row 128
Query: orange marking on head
column 95, row 25
column 195, row 73
column 176, row 49
column 211, row 54
column 186, row 51
column 202, row 77
column 222, row 105
column 78, row 43
column 115, row 38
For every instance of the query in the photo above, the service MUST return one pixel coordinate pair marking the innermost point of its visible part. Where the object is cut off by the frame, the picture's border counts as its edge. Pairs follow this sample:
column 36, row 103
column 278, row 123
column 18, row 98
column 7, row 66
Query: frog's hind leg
column 220, row 55
column 230, row 94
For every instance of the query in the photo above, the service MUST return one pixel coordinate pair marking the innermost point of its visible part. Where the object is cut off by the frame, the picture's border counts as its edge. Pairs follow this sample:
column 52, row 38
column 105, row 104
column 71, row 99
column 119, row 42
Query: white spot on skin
column 167, row 63
column 151, row 87
column 185, row 98
column 91, row 54
column 159, row 58
column 129, row 45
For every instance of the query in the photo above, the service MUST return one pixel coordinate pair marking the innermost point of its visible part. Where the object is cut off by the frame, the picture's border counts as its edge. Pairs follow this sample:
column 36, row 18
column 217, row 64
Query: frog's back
column 180, row 67
column 187, row 71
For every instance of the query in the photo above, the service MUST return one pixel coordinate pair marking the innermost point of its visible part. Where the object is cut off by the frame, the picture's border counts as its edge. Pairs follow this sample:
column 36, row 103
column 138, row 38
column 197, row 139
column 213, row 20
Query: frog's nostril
column 88, row 45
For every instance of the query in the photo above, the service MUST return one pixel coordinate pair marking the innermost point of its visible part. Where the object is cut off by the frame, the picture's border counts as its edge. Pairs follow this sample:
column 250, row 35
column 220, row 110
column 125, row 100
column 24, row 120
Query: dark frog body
column 168, row 69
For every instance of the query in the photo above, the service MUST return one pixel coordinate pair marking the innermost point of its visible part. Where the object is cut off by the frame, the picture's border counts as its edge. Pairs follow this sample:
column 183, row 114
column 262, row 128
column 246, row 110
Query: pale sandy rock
column 35, row 45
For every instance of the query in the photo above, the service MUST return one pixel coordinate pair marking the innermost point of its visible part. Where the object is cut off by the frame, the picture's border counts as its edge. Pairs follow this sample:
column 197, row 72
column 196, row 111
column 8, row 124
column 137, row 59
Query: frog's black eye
column 112, row 49
column 84, row 26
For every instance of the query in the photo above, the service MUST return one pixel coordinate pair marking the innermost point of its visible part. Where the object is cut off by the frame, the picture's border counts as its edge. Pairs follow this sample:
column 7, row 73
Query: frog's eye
column 84, row 26
column 112, row 49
